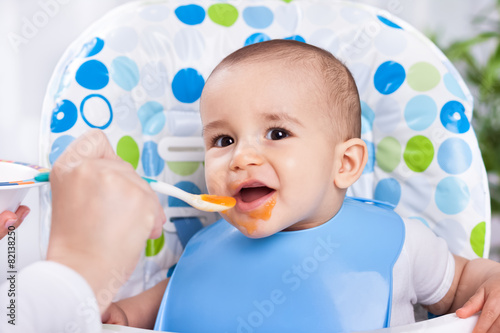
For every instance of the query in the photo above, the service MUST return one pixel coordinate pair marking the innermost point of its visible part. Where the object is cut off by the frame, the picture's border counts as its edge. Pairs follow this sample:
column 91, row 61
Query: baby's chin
column 256, row 234
column 253, row 229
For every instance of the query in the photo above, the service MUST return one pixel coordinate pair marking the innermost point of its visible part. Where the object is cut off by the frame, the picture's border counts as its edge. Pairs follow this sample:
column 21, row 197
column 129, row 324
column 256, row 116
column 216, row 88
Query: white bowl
column 16, row 179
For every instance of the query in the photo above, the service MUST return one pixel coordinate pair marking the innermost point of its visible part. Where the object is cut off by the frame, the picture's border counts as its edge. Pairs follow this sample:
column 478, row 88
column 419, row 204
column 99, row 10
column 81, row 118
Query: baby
column 281, row 125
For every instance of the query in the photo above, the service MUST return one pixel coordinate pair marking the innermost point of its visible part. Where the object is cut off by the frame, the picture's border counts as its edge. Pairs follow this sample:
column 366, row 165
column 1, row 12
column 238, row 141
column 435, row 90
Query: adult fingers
column 92, row 145
column 7, row 220
column 157, row 217
column 495, row 327
column 158, row 224
column 10, row 221
column 22, row 212
column 110, row 181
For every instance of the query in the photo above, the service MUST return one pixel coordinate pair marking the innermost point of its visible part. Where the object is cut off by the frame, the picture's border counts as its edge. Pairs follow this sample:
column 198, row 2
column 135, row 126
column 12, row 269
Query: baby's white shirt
column 422, row 274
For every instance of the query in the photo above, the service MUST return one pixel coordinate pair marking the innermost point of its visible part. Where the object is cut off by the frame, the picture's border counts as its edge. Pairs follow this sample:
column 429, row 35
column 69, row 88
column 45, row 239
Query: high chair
column 138, row 73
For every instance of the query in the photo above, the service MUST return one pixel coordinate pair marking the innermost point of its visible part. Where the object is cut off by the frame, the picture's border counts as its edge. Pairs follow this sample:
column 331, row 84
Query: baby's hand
column 487, row 299
column 9, row 220
column 115, row 315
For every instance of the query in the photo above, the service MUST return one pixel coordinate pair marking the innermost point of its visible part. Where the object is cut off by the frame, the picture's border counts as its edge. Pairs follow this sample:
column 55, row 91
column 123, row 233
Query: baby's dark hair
column 339, row 86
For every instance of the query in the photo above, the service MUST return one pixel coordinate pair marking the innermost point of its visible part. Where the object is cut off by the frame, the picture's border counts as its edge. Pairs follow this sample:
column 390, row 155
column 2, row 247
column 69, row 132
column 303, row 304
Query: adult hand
column 102, row 214
column 10, row 221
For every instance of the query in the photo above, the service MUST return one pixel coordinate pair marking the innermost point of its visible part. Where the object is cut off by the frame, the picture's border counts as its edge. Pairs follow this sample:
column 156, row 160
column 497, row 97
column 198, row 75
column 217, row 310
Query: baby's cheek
column 215, row 184
column 215, row 176
column 289, row 162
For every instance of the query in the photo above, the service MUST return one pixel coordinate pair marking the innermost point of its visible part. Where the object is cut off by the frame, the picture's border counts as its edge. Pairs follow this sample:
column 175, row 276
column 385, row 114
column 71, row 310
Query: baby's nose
column 245, row 155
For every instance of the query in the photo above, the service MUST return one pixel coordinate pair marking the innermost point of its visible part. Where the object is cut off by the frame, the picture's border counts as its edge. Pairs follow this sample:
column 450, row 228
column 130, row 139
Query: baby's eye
column 223, row 141
column 277, row 134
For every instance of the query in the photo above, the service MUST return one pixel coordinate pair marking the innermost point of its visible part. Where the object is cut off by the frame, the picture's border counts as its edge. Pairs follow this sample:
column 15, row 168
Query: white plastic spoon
column 206, row 202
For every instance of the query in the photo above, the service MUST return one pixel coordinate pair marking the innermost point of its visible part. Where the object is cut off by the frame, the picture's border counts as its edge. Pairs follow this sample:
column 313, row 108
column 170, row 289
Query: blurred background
column 35, row 33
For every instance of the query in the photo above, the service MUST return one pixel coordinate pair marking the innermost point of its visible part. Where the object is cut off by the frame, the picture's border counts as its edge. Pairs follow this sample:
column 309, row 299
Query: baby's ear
column 352, row 156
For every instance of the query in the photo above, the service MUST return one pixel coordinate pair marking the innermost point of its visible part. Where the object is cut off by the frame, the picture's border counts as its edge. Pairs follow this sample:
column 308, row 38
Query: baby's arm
column 475, row 287
column 139, row 311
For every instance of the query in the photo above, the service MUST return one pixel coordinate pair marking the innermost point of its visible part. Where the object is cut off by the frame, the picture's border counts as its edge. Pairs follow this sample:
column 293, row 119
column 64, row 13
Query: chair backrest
column 138, row 74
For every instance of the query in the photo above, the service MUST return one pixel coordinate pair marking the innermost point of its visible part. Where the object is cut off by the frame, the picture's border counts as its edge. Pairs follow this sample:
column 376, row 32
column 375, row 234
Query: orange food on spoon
column 229, row 202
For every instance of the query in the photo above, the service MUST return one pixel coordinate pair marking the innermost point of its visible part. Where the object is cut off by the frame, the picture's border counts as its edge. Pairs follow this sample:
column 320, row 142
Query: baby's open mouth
column 254, row 199
column 250, row 194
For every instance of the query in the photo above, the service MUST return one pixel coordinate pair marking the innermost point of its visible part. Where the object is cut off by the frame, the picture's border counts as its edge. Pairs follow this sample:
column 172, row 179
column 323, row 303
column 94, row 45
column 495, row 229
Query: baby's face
column 269, row 145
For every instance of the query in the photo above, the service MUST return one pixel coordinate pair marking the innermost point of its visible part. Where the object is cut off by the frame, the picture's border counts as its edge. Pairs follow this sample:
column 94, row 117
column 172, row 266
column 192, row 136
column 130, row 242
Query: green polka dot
column 223, row 14
column 423, row 76
column 128, row 150
column 419, row 153
column 477, row 238
column 183, row 168
column 287, row 1
column 388, row 154
column 154, row 246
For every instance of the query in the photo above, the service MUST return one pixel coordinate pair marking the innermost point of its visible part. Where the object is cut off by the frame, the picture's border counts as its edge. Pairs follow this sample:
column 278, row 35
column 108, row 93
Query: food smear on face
column 261, row 213
column 229, row 202
column 264, row 212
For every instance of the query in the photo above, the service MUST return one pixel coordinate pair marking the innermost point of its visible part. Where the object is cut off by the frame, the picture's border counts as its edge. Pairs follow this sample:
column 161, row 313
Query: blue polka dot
column 298, row 38
column 187, row 85
column 92, row 48
column 152, row 163
column 257, row 38
column 452, row 195
column 92, row 75
column 186, row 186
column 420, row 112
column 102, row 116
column 453, row 117
column 388, row 22
column 388, row 190
column 58, row 146
column 453, row 86
column 125, row 73
column 389, row 77
column 371, row 157
column 454, row 156
column 190, row 14
column 258, row 17
column 152, row 118
column 64, row 116
column 367, row 118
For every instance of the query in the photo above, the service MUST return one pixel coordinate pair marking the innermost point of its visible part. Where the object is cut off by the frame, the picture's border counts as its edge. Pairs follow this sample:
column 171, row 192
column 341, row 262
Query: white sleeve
column 432, row 266
column 48, row 297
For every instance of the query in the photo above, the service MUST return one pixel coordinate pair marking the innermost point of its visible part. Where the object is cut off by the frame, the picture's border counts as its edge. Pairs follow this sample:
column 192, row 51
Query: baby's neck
column 308, row 224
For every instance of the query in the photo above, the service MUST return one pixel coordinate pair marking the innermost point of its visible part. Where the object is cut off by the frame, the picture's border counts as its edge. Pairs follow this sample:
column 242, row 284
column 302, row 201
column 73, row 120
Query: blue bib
column 336, row 277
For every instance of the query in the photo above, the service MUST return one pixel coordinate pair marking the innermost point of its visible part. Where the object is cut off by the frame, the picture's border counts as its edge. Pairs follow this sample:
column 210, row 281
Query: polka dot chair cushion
column 138, row 74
